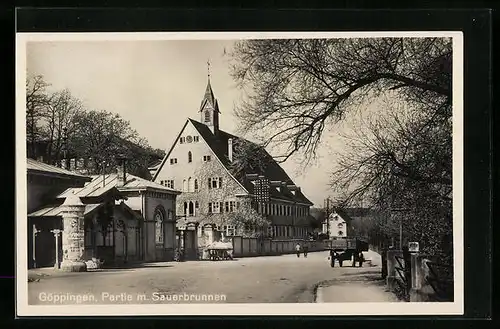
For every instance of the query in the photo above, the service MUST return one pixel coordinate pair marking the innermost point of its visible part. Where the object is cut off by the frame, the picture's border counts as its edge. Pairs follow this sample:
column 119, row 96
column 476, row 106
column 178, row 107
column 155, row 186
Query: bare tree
column 36, row 102
column 403, row 166
column 60, row 120
column 298, row 87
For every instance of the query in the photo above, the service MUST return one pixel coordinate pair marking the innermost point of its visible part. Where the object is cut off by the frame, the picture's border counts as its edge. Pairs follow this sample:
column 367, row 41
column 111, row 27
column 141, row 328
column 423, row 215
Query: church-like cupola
column 209, row 108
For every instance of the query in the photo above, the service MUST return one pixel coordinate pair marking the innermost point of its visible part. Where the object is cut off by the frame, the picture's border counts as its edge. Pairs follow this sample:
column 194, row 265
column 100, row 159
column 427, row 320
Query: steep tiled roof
column 43, row 168
column 273, row 172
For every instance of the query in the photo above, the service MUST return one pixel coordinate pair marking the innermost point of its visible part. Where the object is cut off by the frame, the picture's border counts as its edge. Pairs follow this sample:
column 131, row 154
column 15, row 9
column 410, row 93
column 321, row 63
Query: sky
column 156, row 86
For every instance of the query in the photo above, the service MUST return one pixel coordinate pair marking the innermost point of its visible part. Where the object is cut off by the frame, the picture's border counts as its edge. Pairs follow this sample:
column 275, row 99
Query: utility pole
column 328, row 216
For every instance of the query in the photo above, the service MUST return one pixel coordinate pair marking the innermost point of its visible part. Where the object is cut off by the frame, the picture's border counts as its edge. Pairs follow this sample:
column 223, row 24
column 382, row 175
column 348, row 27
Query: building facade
column 219, row 194
column 339, row 224
column 44, row 184
column 124, row 218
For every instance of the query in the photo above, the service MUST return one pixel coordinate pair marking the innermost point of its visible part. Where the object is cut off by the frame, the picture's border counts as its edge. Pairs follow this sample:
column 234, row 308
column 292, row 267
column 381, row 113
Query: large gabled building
column 200, row 163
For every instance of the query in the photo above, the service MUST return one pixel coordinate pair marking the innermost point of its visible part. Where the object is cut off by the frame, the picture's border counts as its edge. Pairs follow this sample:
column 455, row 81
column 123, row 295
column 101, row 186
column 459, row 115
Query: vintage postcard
column 239, row 173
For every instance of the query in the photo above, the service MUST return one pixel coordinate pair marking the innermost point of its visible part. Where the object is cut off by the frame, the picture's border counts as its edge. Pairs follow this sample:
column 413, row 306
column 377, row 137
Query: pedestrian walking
column 297, row 249
column 306, row 249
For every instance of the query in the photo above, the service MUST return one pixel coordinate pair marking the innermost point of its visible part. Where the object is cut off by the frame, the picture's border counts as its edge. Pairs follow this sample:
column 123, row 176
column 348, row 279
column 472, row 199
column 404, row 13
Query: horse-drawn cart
column 347, row 249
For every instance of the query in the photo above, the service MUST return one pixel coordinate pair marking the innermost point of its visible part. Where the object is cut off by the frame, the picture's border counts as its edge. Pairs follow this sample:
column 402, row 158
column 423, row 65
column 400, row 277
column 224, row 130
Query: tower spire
column 208, row 69
column 209, row 108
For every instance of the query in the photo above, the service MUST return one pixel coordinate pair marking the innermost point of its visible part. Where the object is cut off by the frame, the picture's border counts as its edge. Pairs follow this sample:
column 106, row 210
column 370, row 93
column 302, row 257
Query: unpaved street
column 274, row 279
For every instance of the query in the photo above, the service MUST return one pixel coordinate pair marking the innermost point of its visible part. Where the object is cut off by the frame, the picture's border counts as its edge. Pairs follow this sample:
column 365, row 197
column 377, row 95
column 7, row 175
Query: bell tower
column 209, row 108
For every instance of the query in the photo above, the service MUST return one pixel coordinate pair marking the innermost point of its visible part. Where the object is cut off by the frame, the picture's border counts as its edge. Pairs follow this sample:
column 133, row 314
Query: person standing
column 306, row 249
column 297, row 249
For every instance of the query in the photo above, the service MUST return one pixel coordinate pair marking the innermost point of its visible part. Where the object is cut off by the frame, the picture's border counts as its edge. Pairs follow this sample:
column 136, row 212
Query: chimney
column 230, row 149
column 65, row 149
column 121, row 171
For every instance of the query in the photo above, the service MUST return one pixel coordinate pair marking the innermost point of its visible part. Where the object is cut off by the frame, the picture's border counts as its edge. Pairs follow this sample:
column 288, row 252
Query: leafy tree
column 246, row 218
column 319, row 215
column 69, row 130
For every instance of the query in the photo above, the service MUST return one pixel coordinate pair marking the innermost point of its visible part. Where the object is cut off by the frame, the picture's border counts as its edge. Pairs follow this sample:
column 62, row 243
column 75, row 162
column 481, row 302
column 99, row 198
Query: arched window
column 159, row 218
column 340, row 225
column 185, row 208
column 341, row 233
column 184, row 185
column 191, row 209
column 196, row 185
column 190, row 188
column 207, row 116
column 190, row 156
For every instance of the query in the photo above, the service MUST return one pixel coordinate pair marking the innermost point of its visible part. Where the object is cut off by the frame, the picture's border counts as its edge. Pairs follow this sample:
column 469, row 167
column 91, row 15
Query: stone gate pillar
column 73, row 243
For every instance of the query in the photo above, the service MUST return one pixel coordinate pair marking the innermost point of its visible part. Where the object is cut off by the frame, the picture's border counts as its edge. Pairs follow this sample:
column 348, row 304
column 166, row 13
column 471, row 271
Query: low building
column 44, row 184
column 125, row 218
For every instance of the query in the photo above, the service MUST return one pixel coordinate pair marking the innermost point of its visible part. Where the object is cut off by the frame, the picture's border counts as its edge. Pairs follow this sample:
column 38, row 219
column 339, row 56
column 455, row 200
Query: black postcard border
column 476, row 25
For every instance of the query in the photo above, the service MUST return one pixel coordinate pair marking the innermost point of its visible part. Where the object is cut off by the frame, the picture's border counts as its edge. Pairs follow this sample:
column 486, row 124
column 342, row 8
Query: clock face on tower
column 189, row 139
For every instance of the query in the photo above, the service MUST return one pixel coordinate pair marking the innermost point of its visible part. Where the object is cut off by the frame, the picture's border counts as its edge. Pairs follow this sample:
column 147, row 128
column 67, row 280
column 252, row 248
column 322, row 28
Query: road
column 273, row 279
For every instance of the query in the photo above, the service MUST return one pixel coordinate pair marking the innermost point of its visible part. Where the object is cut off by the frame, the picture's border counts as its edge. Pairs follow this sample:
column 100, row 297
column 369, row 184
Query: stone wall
column 248, row 247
